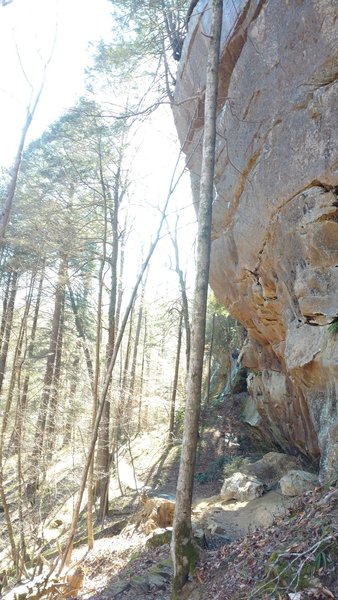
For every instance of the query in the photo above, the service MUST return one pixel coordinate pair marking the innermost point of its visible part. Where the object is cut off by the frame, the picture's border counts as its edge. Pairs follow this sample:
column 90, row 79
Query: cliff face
column 275, row 232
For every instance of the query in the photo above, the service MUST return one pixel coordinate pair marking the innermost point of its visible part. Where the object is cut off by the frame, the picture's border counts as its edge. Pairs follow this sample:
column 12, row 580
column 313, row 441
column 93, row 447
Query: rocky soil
column 268, row 548
column 296, row 551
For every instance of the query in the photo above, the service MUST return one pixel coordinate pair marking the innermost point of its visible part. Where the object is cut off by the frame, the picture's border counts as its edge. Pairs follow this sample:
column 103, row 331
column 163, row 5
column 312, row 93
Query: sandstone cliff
column 275, row 231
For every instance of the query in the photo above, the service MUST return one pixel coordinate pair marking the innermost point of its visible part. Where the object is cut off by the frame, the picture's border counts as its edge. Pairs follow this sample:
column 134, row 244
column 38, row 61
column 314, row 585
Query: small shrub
column 234, row 464
column 214, row 472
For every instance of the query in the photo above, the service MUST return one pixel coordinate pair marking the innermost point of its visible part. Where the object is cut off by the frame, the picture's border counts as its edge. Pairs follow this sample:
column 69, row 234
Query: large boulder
column 275, row 230
column 271, row 468
column 296, row 482
column 241, row 487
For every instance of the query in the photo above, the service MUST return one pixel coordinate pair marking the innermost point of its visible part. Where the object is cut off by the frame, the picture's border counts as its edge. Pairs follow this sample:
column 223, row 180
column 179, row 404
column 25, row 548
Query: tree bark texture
column 103, row 458
column 8, row 326
column 175, row 382
column 184, row 553
column 49, row 373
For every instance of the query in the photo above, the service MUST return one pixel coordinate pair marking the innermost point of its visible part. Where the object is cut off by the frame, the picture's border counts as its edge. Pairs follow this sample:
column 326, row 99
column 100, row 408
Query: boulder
column 159, row 537
column 241, row 487
column 271, row 468
column 296, row 482
column 153, row 513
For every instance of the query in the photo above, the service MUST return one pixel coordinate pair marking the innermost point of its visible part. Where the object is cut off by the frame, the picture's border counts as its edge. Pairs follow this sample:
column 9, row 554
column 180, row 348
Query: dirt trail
column 234, row 519
column 152, row 466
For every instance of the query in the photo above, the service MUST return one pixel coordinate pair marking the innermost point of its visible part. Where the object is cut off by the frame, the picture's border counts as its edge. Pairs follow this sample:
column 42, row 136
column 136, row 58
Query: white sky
column 28, row 27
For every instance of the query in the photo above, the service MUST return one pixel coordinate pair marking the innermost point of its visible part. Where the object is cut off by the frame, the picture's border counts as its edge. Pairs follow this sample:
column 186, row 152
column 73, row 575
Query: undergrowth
column 214, row 472
column 298, row 567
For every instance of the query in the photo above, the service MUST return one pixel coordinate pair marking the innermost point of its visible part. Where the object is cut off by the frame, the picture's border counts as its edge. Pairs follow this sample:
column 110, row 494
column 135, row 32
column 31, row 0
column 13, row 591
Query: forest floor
column 269, row 548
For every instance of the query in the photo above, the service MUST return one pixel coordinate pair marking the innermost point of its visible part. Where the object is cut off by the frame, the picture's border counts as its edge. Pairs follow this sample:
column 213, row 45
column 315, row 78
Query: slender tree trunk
column 71, row 411
column 136, row 344
column 124, row 408
column 184, row 552
column 103, row 458
column 3, row 257
column 142, row 376
column 23, row 395
column 48, row 378
column 54, row 398
column 207, row 398
column 4, row 308
column 175, row 382
column 120, row 290
column 8, row 327
column 184, row 297
column 96, row 378
column 16, row 368
column 81, row 333
column 105, row 388
column 3, row 359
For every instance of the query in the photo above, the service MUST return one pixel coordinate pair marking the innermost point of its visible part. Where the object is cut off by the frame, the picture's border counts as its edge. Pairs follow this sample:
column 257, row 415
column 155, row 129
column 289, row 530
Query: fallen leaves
column 275, row 563
column 319, row 593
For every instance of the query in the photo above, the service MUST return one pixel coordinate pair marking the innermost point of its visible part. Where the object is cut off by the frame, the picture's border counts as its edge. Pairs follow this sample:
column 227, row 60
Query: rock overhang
column 274, row 252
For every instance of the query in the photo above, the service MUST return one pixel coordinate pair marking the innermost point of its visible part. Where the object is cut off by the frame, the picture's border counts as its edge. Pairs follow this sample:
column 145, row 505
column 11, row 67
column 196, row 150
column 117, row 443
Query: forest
column 116, row 358
column 95, row 343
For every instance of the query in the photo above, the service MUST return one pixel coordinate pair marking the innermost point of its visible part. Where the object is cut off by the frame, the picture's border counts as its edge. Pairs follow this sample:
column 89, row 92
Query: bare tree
column 184, row 553
column 7, row 323
column 31, row 109
column 106, row 385
column 40, row 431
column 184, row 297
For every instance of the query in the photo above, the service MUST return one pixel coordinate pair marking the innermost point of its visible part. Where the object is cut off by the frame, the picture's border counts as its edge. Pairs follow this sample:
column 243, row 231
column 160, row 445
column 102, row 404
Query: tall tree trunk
column 69, row 423
column 136, row 344
column 124, row 382
column 48, row 378
column 103, row 451
column 175, row 381
column 142, row 375
column 120, row 290
column 23, row 395
column 4, row 308
column 184, row 553
column 17, row 365
column 8, row 327
column 54, row 398
column 96, row 378
column 3, row 359
column 82, row 335
column 184, row 297
column 105, row 388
